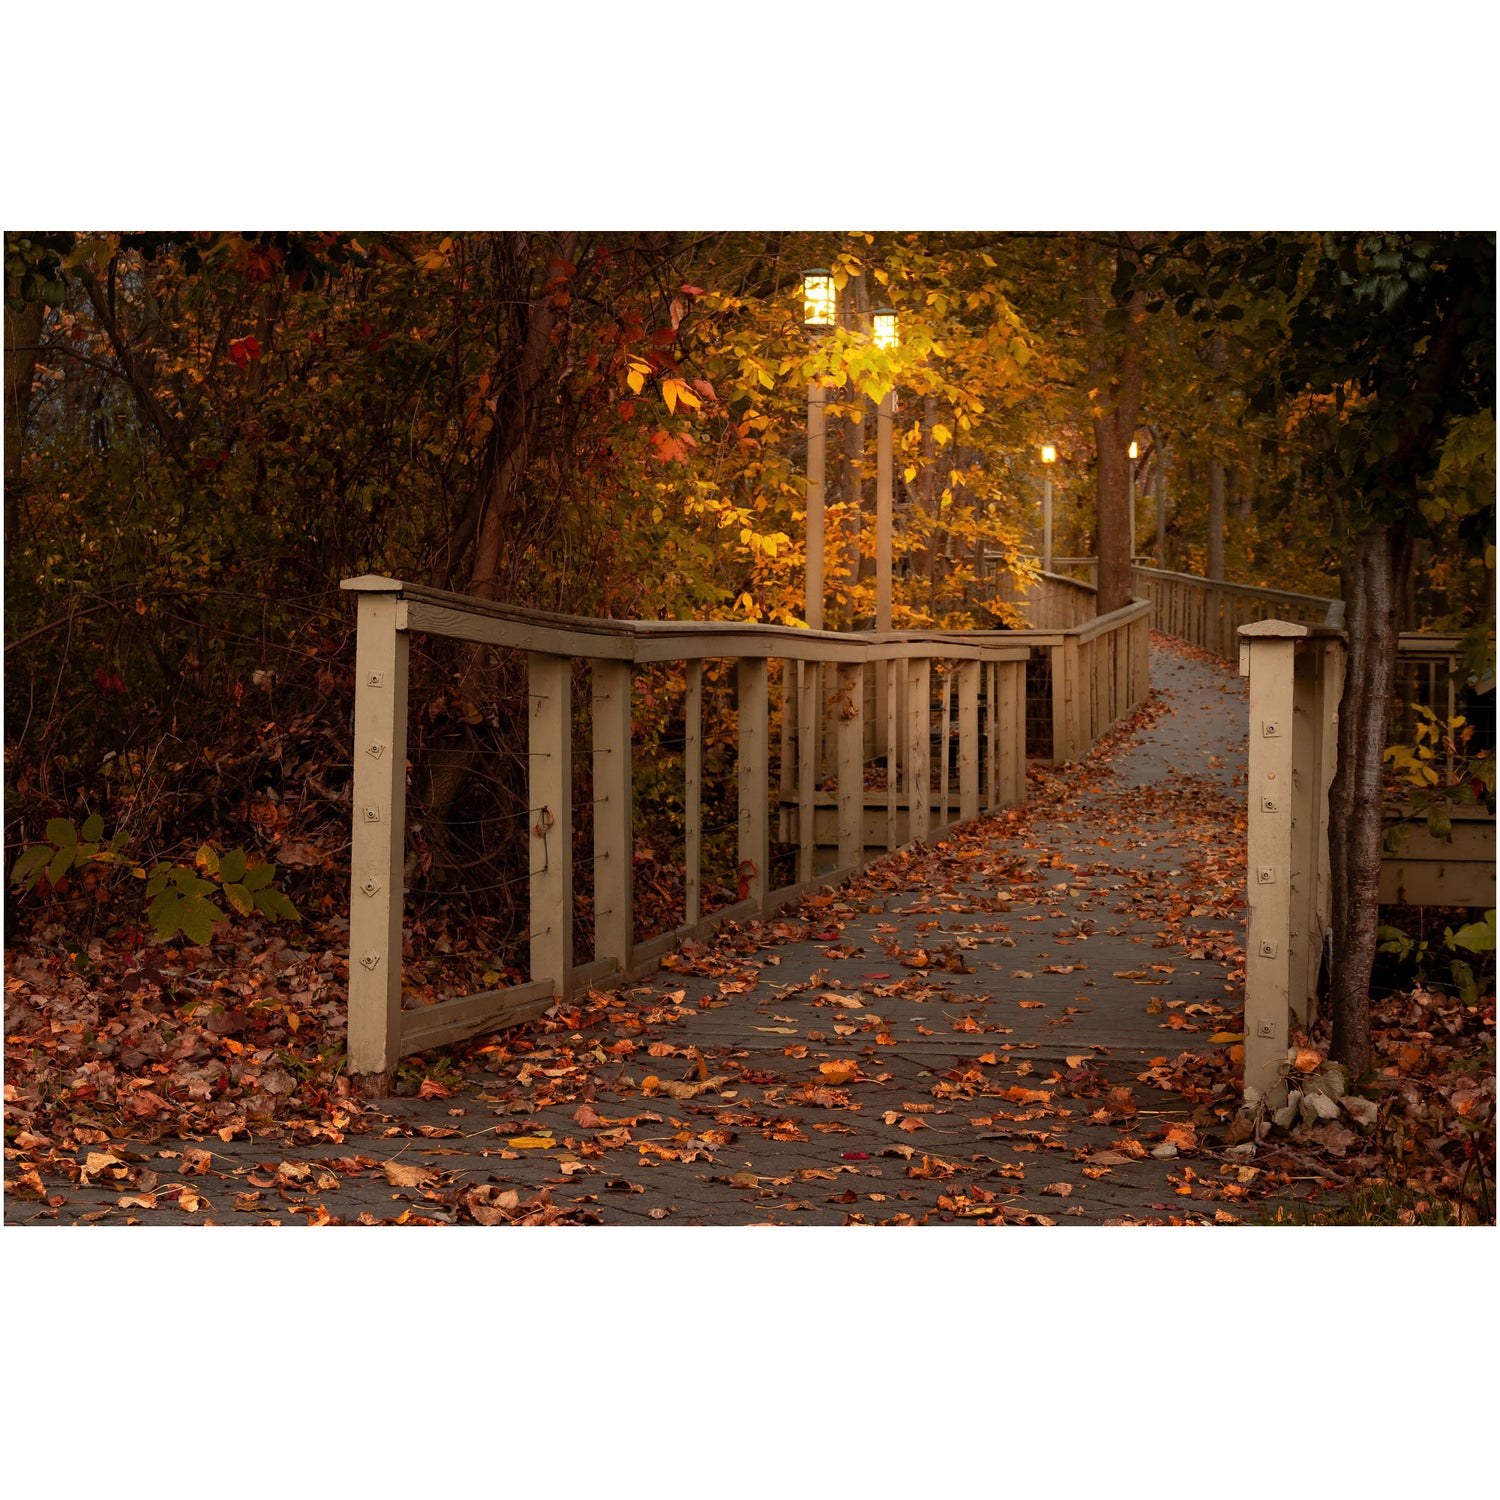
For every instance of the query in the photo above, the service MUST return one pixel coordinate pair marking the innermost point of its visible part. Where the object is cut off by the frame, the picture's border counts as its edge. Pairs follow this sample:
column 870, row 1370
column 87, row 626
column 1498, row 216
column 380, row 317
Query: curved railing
column 839, row 704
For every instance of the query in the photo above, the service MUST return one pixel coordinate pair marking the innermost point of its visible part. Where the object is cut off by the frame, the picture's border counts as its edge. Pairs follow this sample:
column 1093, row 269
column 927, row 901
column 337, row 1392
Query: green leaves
column 182, row 897
column 1476, row 937
column 62, row 852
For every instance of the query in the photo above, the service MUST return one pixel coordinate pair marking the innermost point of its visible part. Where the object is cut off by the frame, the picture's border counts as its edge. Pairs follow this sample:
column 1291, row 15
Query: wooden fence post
column 1270, row 654
column 918, row 749
column 851, row 743
column 809, row 728
column 549, row 682
column 614, row 927
column 1010, row 726
column 378, row 839
column 692, row 786
column 755, row 770
column 887, row 670
column 968, row 740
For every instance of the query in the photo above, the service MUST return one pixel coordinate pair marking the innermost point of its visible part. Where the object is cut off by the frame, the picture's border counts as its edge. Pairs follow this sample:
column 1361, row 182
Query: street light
column 819, row 299
column 1049, row 456
column 1135, row 453
column 819, row 309
column 886, row 336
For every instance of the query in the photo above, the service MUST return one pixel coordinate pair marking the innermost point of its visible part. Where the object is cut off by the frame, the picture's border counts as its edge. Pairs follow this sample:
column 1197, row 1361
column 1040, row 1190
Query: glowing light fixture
column 886, row 336
column 1135, row 452
column 819, row 300
column 1049, row 455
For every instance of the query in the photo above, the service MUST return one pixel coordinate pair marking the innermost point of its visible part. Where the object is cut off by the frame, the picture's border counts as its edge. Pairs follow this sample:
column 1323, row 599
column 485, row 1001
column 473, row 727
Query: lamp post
column 818, row 311
column 1049, row 456
column 886, row 336
column 1135, row 453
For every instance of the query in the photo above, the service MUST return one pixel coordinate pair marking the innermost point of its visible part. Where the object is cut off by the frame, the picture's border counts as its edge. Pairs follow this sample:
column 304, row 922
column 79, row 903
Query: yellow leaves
column 673, row 391
column 942, row 435
column 636, row 375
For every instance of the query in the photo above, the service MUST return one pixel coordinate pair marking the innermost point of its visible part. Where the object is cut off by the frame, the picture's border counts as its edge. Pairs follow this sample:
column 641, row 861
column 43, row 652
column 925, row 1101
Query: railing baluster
column 944, row 725
column 918, row 749
column 550, row 819
column 851, row 742
column 613, row 819
column 692, row 765
column 754, row 778
column 888, row 670
column 809, row 727
column 968, row 740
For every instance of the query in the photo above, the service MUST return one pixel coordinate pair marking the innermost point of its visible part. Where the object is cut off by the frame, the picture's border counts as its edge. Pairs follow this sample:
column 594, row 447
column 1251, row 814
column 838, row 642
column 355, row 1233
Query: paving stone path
column 1037, row 981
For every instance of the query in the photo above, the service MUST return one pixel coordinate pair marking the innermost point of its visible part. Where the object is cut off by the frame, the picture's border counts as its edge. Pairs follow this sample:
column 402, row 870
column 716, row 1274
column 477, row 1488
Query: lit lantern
column 1049, row 455
column 819, row 300
column 1135, row 452
column 886, row 336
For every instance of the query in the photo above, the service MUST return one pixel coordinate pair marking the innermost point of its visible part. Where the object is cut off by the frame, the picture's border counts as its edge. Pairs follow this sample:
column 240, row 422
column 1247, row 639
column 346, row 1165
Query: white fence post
column 378, row 846
column 755, row 770
column 968, row 740
column 918, row 749
column 613, row 799
column 1269, row 661
column 549, row 681
column 851, row 740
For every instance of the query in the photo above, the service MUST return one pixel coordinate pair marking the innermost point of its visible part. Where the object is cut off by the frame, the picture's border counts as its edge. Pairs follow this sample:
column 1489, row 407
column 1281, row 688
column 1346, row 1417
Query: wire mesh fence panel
column 1039, row 704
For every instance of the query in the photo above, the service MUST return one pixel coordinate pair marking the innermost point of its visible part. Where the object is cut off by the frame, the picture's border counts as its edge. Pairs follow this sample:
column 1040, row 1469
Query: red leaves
column 109, row 682
column 244, row 351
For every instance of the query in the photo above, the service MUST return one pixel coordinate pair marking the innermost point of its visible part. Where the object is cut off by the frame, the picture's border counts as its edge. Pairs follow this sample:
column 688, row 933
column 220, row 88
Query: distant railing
column 1208, row 612
column 932, row 778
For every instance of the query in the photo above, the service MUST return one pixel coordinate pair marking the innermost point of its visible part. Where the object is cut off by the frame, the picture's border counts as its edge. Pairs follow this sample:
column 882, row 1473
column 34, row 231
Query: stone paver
column 1056, row 891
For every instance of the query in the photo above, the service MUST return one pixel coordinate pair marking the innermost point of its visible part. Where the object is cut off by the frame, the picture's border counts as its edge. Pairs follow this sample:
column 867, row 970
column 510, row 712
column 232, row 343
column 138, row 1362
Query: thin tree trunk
column 1115, row 373
column 1380, row 558
column 23, row 333
column 1215, row 566
column 1215, row 562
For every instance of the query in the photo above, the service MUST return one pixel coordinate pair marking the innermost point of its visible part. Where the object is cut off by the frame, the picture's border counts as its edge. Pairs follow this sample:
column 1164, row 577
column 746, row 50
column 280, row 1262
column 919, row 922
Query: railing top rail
column 1279, row 595
column 441, row 612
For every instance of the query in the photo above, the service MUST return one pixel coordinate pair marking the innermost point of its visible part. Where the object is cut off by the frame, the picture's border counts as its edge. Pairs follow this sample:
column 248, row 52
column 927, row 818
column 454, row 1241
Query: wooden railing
column 1296, row 674
column 1099, row 673
column 1208, row 612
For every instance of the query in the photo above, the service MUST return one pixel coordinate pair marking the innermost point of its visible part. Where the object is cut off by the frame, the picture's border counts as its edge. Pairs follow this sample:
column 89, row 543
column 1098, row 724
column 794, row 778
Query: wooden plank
column 378, row 840
column 809, row 731
column 692, row 764
column 968, row 741
column 918, row 750
column 518, row 634
column 1010, row 708
column 788, row 780
column 614, row 924
column 888, row 671
column 851, row 741
column 945, row 731
column 550, row 819
column 1268, row 858
column 754, row 778
column 470, row 1015
column 1303, row 939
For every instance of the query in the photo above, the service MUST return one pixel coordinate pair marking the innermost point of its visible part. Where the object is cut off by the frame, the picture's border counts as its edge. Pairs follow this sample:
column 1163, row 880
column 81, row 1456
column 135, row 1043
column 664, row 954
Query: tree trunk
column 1372, row 593
column 1215, row 565
column 1115, row 371
column 23, row 333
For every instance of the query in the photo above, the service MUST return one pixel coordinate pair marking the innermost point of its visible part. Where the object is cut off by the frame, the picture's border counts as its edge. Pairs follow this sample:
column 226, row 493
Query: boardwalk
column 967, row 1032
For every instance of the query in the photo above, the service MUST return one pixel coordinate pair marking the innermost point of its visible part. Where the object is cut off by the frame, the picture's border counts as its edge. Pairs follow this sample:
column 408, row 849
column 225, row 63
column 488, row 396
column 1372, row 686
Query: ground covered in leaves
column 1034, row 1022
